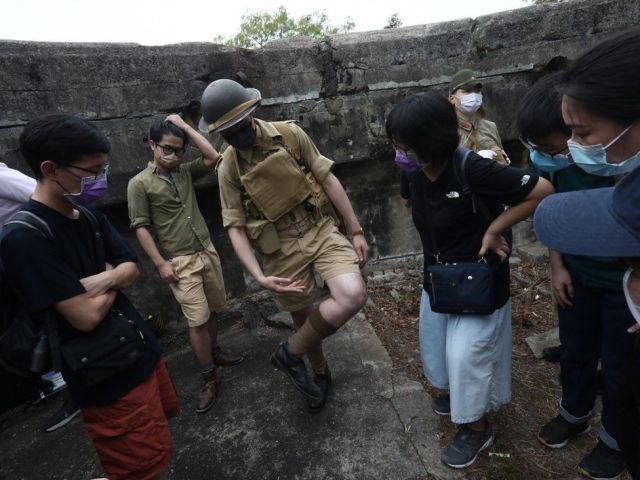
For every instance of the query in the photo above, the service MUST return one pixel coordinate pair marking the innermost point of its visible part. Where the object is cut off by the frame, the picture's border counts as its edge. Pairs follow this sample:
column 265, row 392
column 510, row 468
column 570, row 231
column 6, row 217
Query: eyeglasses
column 169, row 150
column 104, row 170
column 402, row 150
column 532, row 146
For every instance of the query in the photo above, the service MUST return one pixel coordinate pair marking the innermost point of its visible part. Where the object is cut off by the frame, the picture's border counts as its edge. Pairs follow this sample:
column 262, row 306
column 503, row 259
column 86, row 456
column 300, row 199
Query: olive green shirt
column 233, row 212
column 481, row 134
column 167, row 203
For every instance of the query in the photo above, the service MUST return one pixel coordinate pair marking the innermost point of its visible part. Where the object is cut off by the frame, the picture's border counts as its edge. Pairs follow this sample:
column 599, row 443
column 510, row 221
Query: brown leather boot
column 225, row 359
column 209, row 391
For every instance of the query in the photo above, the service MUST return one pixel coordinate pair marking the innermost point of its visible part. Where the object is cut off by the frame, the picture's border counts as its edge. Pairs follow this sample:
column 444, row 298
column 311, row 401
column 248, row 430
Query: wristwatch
column 357, row 232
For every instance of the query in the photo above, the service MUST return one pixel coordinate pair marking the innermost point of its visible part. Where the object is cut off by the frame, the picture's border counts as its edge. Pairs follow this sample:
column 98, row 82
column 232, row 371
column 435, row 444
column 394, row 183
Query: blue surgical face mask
column 407, row 161
column 548, row 163
column 593, row 158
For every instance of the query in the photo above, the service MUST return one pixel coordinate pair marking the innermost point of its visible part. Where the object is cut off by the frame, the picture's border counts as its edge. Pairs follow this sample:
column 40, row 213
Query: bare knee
column 351, row 296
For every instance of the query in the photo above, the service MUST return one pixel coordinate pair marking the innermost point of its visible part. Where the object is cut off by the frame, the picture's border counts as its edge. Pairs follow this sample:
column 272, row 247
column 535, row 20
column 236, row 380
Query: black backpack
column 29, row 344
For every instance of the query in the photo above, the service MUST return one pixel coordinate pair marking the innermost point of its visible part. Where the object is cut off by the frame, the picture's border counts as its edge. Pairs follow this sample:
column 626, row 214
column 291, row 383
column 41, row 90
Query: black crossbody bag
column 114, row 345
column 461, row 287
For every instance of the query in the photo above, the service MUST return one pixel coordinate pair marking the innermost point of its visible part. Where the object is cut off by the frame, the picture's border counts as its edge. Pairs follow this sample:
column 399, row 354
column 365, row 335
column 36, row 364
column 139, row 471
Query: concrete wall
column 339, row 89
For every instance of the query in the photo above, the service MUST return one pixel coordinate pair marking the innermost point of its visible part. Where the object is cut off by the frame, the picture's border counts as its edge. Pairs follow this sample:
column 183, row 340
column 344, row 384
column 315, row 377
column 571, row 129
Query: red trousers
column 131, row 436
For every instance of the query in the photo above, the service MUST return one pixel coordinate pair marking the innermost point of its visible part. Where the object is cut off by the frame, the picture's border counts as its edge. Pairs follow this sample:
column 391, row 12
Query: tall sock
column 310, row 335
column 315, row 354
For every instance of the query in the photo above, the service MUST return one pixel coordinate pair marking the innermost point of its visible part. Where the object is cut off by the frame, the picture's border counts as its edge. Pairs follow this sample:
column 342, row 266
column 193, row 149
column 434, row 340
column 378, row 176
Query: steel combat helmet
column 225, row 103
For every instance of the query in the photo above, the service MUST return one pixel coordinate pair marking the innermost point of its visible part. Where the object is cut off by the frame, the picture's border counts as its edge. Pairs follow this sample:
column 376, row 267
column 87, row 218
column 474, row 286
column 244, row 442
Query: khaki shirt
column 170, row 208
column 233, row 213
column 481, row 135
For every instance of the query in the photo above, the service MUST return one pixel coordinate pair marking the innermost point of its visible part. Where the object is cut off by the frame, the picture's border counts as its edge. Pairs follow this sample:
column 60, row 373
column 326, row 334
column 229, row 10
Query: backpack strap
column 459, row 169
column 30, row 220
column 289, row 139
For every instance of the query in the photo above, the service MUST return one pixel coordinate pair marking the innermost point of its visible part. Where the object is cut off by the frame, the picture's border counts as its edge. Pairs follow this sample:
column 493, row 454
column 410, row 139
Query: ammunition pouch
column 263, row 235
column 280, row 169
column 281, row 197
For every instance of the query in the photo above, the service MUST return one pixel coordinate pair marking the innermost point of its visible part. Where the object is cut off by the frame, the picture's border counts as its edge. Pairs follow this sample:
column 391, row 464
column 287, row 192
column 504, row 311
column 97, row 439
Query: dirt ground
column 516, row 453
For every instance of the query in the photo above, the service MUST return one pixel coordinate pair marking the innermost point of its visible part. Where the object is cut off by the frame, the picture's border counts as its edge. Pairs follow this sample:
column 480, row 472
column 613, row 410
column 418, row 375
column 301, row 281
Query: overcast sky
column 159, row 22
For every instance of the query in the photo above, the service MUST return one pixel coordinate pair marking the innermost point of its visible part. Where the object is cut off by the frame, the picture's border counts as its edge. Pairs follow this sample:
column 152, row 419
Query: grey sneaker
column 466, row 446
column 441, row 404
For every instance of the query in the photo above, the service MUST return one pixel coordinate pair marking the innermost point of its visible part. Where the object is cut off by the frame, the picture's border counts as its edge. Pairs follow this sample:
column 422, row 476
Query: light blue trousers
column 470, row 355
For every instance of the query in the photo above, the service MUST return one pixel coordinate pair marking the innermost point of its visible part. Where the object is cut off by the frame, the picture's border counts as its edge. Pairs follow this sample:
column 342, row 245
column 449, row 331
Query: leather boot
column 225, row 359
column 209, row 391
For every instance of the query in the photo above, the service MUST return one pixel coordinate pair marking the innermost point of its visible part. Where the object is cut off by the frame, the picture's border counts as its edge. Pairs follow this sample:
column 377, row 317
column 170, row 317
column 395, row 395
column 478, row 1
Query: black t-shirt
column 44, row 273
column 443, row 206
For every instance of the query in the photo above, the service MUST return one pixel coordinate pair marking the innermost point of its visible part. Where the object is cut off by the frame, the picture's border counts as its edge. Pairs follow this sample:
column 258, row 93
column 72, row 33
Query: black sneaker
column 466, row 446
column 552, row 354
column 441, row 404
column 323, row 381
column 557, row 432
column 602, row 463
column 296, row 370
column 63, row 416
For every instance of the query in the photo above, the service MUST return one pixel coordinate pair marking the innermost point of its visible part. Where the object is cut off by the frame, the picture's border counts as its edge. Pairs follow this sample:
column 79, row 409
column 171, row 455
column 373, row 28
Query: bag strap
column 459, row 169
column 460, row 157
column 29, row 220
column 290, row 140
column 97, row 236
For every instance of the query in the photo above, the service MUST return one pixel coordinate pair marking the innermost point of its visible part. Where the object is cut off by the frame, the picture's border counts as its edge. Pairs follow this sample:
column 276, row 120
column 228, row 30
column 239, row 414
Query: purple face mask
column 91, row 190
column 407, row 161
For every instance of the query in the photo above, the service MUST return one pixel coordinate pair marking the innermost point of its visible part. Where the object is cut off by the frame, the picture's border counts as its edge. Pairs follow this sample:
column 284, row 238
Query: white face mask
column 470, row 103
column 633, row 306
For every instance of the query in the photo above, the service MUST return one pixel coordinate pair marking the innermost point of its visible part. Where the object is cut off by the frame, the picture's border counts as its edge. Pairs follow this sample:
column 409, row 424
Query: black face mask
column 243, row 138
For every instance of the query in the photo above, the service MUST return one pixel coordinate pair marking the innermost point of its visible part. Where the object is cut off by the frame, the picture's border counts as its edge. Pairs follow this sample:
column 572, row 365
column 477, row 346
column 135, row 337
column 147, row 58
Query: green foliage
column 393, row 21
column 259, row 28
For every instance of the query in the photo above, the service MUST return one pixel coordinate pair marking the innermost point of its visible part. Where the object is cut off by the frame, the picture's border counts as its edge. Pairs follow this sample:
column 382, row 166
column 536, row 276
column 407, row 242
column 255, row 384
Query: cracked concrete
column 377, row 424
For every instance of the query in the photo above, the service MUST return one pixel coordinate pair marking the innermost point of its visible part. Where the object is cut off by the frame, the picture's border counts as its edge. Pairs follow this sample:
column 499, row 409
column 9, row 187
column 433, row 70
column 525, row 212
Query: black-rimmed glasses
column 104, row 169
column 169, row 150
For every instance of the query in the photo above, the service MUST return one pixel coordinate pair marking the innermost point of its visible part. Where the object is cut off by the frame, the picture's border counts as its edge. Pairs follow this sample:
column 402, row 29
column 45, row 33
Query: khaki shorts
column 323, row 249
column 200, row 289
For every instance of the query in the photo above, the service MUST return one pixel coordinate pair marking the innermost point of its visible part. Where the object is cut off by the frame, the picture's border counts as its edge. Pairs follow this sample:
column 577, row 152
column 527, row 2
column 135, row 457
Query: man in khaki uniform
column 278, row 196
column 162, row 198
column 476, row 132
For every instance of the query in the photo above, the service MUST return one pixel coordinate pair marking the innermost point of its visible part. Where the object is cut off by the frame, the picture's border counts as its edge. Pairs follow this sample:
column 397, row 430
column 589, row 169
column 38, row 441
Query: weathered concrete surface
column 376, row 424
column 340, row 89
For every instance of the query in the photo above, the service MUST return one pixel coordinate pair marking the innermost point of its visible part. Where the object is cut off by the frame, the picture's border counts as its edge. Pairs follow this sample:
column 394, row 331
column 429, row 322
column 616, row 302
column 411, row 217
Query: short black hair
column 63, row 139
column 164, row 127
column 540, row 112
column 426, row 123
column 606, row 78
